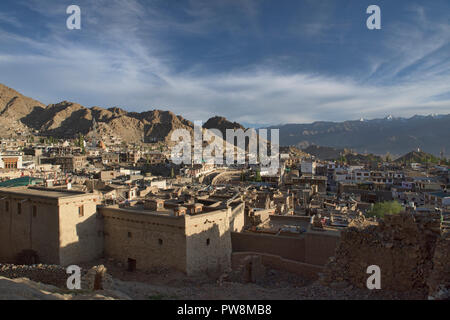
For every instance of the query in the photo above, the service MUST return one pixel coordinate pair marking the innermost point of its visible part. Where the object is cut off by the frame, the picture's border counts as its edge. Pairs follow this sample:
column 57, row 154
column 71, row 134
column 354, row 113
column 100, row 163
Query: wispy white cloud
column 412, row 47
column 4, row 18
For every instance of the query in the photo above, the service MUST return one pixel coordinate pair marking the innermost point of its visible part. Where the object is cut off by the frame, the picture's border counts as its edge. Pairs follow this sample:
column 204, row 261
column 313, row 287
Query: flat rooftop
column 141, row 210
column 42, row 192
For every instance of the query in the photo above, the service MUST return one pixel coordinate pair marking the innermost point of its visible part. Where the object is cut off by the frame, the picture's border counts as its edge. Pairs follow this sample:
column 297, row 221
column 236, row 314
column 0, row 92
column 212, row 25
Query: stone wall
column 93, row 279
column 402, row 245
column 247, row 268
column 313, row 248
column 48, row 274
column 278, row 263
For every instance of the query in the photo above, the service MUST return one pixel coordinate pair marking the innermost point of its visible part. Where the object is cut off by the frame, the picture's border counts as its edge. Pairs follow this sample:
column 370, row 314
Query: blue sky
column 254, row 61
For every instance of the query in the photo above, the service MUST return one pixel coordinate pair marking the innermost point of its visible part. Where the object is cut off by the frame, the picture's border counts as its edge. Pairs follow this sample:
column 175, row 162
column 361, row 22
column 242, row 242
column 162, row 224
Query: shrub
column 380, row 209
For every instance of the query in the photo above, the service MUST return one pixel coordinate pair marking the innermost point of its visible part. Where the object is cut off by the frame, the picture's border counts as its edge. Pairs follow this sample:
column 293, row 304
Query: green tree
column 380, row 209
column 80, row 141
column 343, row 159
column 258, row 176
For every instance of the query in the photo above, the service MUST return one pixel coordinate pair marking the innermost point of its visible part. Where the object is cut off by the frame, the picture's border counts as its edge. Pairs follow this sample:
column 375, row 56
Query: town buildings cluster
column 68, row 202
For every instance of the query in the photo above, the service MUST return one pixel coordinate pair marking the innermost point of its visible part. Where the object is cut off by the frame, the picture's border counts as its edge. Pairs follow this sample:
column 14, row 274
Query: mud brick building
column 162, row 237
column 58, row 227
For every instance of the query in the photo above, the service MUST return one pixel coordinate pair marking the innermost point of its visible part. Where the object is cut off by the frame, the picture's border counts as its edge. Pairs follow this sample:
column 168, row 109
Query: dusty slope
column 25, row 289
column 13, row 107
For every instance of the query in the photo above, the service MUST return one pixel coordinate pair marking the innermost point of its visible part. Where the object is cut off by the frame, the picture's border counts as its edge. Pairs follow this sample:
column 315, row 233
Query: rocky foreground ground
column 47, row 282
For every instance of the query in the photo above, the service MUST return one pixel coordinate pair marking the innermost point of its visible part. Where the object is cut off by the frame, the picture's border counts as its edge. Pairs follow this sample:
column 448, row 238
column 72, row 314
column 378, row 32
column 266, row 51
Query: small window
column 160, row 242
column 208, row 242
column 34, row 211
column 81, row 211
column 130, row 235
column 19, row 208
column 6, row 206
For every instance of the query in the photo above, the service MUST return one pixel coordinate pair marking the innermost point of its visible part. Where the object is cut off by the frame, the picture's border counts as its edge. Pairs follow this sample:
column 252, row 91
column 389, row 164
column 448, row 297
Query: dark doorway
column 27, row 257
column 131, row 265
column 249, row 272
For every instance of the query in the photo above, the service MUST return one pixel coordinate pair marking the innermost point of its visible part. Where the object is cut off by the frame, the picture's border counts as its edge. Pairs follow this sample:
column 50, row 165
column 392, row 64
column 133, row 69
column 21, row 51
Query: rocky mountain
column 14, row 105
column 222, row 124
column 68, row 119
column 394, row 135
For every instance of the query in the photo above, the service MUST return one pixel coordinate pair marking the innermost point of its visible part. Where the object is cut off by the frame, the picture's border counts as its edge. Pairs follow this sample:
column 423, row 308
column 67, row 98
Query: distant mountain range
column 379, row 136
column 23, row 115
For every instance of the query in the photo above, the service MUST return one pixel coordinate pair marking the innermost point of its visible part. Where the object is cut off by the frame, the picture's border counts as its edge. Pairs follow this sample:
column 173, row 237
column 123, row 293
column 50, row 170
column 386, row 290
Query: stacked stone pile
column 49, row 274
column 97, row 279
column 93, row 279
column 402, row 245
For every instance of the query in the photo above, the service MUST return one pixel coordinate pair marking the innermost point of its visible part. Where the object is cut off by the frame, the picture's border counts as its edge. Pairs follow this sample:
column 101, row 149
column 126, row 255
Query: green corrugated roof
column 20, row 182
